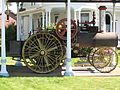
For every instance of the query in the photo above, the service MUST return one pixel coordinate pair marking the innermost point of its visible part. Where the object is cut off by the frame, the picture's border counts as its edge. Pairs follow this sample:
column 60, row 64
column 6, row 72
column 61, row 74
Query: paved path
column 90, row 71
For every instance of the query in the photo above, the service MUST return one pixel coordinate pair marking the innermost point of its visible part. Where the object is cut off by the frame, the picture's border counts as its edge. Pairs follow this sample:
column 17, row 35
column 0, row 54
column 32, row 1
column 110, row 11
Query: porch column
column 20, row 17
column 22, row 36
column 68, row 71
column 114, row 17
column 43, row 19
column 18, row 23
column 102, row 10
column 49, row 17
column 3, row 71
column 30, row 24
column 46, row 19
column 114, row 63
column 18, row 63
column 97, row 17
column 79, row 17
column 75, row 18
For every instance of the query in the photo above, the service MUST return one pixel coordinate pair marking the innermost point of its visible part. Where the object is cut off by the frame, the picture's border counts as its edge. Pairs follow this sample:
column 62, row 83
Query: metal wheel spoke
column 53, row 44
column 40, row 45
column 34, row 55
column 37, row 66
column 61, row 28
column 31, row 48
column 63, row 32
column 52, row 64
column 56, row 57
column 49, row 44
column 38, row 60
column 33, row 44
column 53, row 59
column 46, row 60
column 51, row 49
column 46, row 42
column 42, row 63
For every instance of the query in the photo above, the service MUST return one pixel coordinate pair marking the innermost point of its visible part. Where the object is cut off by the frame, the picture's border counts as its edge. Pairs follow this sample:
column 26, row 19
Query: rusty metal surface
column 107, row 39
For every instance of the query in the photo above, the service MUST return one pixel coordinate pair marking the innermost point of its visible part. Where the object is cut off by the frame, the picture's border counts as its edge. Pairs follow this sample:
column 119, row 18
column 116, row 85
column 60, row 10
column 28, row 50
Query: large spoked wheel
column 105, row 60
column 42, row 52
column 61, row 29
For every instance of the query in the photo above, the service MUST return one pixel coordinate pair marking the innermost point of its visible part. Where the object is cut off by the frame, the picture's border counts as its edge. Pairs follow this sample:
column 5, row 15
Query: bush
column 51, row 28
column 10, row 35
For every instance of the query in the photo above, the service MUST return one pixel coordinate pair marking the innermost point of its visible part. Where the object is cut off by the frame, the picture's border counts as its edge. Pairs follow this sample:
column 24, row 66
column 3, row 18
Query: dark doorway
column 108, row 23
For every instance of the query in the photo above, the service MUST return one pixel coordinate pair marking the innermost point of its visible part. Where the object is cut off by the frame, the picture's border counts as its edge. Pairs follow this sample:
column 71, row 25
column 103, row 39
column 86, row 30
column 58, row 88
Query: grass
column 60, row 83
column 118, row 52
column 10, row 61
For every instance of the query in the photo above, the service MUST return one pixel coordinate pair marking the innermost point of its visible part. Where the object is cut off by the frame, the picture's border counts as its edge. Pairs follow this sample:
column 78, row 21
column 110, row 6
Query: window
column 41, row 21
column 38, row 22
column 84, row 17
column 56, row 19
column 107, row 23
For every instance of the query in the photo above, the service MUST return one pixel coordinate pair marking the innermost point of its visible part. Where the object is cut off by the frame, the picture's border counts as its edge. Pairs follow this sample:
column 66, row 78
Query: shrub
column 10, row 34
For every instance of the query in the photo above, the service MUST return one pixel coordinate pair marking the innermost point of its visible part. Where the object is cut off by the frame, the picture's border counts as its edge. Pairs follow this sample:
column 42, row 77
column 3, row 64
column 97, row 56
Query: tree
column 8, row 11
column 10, row 35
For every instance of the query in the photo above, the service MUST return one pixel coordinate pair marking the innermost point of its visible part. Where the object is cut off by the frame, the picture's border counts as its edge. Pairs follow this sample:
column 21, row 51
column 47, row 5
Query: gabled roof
column 64, row 1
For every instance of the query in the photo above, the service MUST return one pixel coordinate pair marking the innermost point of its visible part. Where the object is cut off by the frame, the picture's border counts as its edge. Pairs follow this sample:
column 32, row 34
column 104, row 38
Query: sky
column 13, row 7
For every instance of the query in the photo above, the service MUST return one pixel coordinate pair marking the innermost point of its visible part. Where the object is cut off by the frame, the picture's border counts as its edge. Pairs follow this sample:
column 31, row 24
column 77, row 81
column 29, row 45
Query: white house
column 43, row 14
column 33, row 15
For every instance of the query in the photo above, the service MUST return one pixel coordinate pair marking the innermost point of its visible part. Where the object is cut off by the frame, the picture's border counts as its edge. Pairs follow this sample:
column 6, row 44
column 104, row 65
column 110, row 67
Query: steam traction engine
column 43, row 51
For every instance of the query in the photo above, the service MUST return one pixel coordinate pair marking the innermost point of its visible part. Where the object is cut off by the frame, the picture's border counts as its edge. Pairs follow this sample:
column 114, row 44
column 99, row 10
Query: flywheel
column 61, row 29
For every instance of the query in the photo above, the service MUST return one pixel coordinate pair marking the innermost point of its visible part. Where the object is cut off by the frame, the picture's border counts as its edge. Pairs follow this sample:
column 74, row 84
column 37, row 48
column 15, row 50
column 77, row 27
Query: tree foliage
column 10, row 34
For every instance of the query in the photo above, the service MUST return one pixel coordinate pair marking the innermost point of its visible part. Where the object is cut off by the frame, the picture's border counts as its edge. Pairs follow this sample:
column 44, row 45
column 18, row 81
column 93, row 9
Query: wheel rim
column 61, row 29
column 105, row 60
column 90, row 56
column 42, row 52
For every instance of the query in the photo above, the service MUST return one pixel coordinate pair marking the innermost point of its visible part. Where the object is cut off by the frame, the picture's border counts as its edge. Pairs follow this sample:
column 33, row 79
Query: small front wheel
column 105, row 59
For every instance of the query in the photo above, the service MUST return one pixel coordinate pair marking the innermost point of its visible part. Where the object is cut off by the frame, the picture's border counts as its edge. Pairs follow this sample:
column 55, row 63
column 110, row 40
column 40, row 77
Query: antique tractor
column 45, row 50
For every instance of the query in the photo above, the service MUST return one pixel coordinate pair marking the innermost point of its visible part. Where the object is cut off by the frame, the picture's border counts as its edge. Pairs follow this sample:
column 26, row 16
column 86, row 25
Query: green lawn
column 60, row 83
